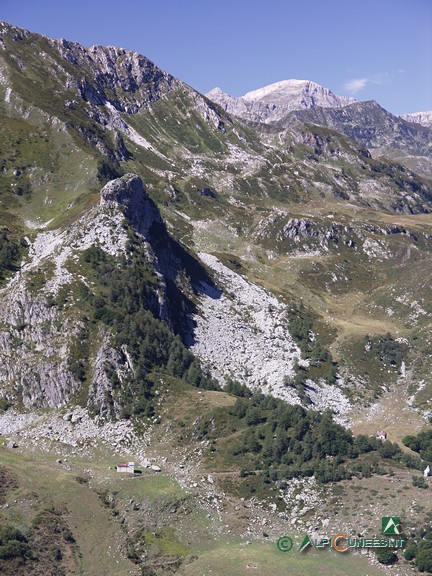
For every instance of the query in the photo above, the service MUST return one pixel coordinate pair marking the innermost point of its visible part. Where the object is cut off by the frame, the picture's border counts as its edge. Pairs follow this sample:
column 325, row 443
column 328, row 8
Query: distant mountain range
column 270, row 103
column 291, row 103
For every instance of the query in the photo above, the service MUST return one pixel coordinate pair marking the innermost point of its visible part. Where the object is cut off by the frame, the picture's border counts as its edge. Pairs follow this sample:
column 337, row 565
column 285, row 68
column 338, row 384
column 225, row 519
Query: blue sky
column 370, row 49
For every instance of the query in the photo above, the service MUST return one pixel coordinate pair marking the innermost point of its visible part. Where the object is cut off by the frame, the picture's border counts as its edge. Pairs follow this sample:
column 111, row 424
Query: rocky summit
column 215, row 319
column 272, row 103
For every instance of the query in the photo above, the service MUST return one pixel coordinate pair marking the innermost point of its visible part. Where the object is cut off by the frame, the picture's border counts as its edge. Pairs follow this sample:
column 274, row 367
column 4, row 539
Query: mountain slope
column 222, row 186
column 371, row 125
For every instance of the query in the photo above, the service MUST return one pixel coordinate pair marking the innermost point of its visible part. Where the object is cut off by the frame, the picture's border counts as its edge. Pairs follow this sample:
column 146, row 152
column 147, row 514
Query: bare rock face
column 101, row 399
column 140, row 81
column 298, row 95
column 247, row 110
column 34, row 349
column 128, row 191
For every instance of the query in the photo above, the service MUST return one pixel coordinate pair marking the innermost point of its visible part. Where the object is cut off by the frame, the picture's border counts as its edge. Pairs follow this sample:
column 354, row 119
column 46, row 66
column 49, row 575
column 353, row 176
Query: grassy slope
column 169, row 521
column 262, row 559
column 205, row 543
column 43, row 483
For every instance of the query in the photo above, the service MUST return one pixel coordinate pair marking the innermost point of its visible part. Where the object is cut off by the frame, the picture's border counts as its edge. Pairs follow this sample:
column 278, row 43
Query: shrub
column 386, row 556
column 410, row 552
column 419, row 482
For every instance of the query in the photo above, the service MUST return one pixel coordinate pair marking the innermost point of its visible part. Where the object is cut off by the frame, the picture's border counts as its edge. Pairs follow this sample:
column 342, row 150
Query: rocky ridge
column 103, row 84
column 297, row 95
column 39, row 330
column 287, row 106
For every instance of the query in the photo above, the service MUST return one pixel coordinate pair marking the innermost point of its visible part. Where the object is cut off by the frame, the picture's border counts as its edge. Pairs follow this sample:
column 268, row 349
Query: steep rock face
column 137, row 79
column 34, row 347
column 128, row 192
column 101, row 400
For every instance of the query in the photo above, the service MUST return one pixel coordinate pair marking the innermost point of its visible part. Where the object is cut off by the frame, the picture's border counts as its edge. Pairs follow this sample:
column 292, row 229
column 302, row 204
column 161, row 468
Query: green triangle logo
column 306, row 542
column 390, row 525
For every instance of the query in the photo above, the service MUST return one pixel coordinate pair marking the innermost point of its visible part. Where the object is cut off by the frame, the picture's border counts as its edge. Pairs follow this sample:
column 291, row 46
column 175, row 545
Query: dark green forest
column 281, row 441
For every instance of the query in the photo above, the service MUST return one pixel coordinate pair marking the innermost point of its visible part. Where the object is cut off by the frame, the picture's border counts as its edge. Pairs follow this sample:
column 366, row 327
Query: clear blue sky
column 370, row 49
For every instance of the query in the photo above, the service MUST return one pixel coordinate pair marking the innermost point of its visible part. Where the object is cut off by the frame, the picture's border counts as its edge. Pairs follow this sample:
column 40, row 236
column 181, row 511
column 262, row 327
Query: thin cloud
column 357, row 84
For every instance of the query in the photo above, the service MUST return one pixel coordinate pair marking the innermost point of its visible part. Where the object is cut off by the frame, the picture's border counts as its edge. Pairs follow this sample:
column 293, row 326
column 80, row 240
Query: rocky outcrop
column 138, row 80
column 40, row 327
column 34, row 349
column 128, row 192
column 102, row 400
column 318, row 236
